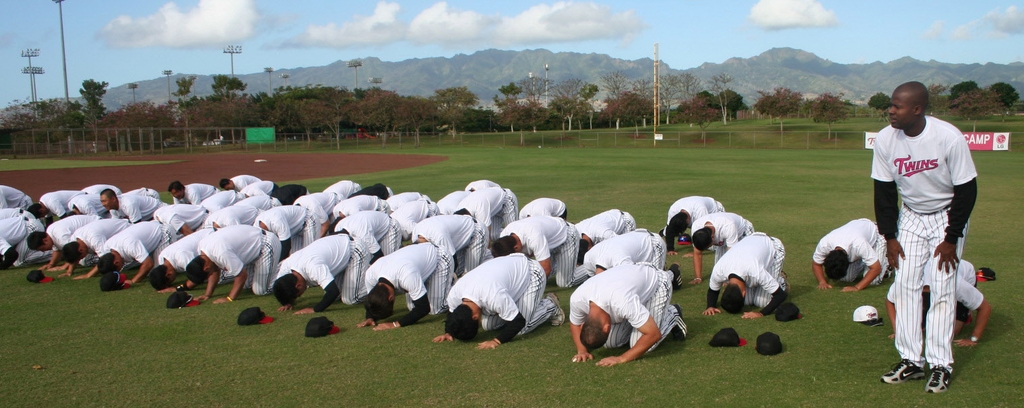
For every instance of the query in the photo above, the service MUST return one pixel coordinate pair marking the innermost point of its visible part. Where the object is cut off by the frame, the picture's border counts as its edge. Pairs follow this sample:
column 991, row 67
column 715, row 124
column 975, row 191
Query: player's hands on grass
column 947, row 257
column 202, row 298
column 752, row 315
column 851, row 289
column 894, row 252
column 386, row 326
column 965, row 343
column 824, row 285
column 712, row 311
column 488, row 345
column 581, row 357
column 610, row 361
column 79, row 277
column 284, row 308
column 892, row 336
column 220, row 300
column 167, row 290
column 672, row 253
column 443, row 338
column 307, row 310
column 688, row 255
column 370, row 322
column 696, row 281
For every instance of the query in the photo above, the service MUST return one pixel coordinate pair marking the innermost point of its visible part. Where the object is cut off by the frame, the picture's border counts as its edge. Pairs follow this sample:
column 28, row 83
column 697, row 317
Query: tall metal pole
column 63, row 52
column 545, row 84
column 285, row 77
column 657, row 106
column 32, row 72
column 232, row 50
column 29, row 53
column 168, row 73
column 355, row 64
column 133, row 86
column 270, row 80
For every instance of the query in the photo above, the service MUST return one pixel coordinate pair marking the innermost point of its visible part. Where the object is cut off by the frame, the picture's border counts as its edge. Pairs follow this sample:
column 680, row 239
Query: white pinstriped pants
column 748, row 229
column 661, row 310
column 310, row 232
column 438, row 283
column 393, row 239
column 759, row 297
column 473, row 254
column 563, row 259
column 264, row 268
column 352, row 286
column 509, row 212
column 534, row 307
column 919, row 235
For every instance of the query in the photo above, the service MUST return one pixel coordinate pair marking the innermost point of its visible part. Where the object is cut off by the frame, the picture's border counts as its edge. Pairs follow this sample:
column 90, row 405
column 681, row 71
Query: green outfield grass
column 67, row 343
column 42, row 164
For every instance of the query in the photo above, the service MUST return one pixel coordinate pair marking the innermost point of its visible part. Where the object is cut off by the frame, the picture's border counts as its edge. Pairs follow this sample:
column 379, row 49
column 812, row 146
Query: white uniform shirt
column 412, row 213
column 177, row 215
column 481, row 184
column 96, row 233
column 925, row 167
column 627, row 248
column 966, row 278
column 136, row 242
column 319, row 263
column 62, row 230
column 857, row 238
column 221, row 200
column 484, row 204
column 359, row 203
column 729, row 228
column 343, row 188
column 264, row 187
column 284, row 221
column 369, row 226
column 231, row 248
column 137, row 208
column 88, row 204
column 183, row 251
column 696, row 206
column 12, row 232
column 12, row 213
column 622, row 292
column 321, row 203
column 261, row 202
column 450, row 203
column 96, row 189
column 57, row 201
column 233, row 215
column 449, row 232
column 195, row 193
column 407, row 268
column 495, row 286
column 539, row 235
column 145, row 192
column 242, row 180
column 749, row 259
column 603, row 226
column 397, row 200
column 550, row 207
column 11, row 197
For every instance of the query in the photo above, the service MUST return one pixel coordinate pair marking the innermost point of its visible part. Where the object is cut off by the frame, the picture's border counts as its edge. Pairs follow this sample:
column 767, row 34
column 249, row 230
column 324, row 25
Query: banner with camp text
column 975, row 140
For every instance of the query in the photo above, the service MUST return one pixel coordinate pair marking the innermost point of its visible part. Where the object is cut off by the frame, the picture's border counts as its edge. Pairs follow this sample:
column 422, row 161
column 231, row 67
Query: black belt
column 921, row 213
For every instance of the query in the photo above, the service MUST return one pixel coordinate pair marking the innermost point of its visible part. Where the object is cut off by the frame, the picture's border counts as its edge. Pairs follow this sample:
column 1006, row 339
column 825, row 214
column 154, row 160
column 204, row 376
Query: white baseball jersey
column 629, row 248
column 539, row 235
column 319, row 263
column 924, row 167
column 183, row 251
column 378, row 231
column 412, row 213
column 753, row 259
column 264, row 187
column 233, row 215
column 242, row 180
column 397, row 200
column 221, row 200
column 96, row 233
column 481, row 184
column 622, row 292
column 137, row 208
column 12, row 232
column 96, row 189
column 606, row 225
column 11, row 197
column 260, row 202
column 145, row 192
column 858, row 238
column 550, row 207
column 359, row 203
column 195, row 193
column 283, row 221
column 88, row 204
column 696, row 206
column 730, row 228
column 407, row 269
column 12, row 213
column 343, row 188
column 176, row 216
column 450, row 232
column 450, row 203
column 321, row 203
column 62, row 230
column 495, row 286
column 232, row 248
column 57, row 201
column 138, row 242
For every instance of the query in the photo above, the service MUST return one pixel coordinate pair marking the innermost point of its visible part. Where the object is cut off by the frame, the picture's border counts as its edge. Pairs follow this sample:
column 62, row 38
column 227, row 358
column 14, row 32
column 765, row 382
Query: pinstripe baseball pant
column 919, row 235
column 438, row 283
column 563, row 259
column 534, row 307
column 661, row 310
column 352, row 285
column 509, row 213
column 630, row 222
column 262, row 271
column 473, row 254
column 393, row 240
column 26, row 255
column 858, row 269
column 310, row 232
column 760, row 297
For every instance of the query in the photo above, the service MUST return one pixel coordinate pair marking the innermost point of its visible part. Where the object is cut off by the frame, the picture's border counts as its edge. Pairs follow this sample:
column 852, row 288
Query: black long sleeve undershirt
column 712, row 298
column 420, row 308
column 331, row 294
column 778, row 297
column 960, row 210
column 886, row 208
column 511, row 329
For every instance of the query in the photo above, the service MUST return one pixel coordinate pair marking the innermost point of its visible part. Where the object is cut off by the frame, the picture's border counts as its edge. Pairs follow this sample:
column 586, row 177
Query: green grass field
column 67, row 343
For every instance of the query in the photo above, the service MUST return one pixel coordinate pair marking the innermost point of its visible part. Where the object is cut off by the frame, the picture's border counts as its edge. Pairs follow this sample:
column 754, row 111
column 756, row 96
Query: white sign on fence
column 658, row 136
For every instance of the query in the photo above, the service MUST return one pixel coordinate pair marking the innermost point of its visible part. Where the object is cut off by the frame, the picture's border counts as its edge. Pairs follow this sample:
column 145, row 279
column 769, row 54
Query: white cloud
column 6, row 40
column 209, row 23
column 567, row 22
column 964, row 32
column 784, row 14
column 382, row 27
column 935, row 31
column 1006, row 23
column 441, row 24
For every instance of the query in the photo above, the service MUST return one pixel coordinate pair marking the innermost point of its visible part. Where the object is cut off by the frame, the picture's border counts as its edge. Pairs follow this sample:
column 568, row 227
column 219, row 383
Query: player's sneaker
column 903, row 371
column 939, row 380
column 558, row 317
column 679, row 326
column 677, row 276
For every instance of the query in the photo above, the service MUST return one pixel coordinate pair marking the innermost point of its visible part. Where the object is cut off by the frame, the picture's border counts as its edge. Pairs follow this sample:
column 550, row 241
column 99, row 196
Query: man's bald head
column 914, row 93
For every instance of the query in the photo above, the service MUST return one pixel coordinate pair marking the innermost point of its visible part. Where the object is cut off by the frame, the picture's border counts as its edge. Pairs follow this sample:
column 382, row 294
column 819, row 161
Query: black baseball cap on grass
column 787, row 311
column 727, row 337
column 178, row 300
column 769, row 344
column 253, row 315
column 37, row 276
column 320, row 327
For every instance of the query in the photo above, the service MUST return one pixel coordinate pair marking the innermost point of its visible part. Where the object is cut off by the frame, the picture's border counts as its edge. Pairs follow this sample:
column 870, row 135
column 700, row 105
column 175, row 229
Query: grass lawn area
column 67, row 343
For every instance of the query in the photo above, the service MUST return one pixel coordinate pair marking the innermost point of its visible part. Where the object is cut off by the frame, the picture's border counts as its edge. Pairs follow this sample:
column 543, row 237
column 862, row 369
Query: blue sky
column 121, row 41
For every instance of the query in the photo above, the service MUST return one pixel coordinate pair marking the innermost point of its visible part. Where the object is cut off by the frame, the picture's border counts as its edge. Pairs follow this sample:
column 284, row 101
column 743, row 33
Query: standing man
column 193, row 193
column 927, row 163
column 850, row 252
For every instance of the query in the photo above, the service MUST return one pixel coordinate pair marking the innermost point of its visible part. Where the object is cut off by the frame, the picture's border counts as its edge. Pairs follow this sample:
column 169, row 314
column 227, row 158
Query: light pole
column 376, row 81
column 355, row 64
column 545, row 84
column 285, row 77
column 133, row 86
column 29, row 53
column 233, row 49
column 191, row 83
column 63, row 52
column 32, row 72
column 168, row 73
column 270, row 79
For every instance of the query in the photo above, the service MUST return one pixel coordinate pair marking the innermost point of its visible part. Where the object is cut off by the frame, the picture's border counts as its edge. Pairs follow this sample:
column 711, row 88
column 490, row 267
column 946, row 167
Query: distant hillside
column 484, row 71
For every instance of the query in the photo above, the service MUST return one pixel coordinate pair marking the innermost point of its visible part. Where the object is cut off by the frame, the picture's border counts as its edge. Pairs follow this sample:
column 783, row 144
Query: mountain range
column 483, row 72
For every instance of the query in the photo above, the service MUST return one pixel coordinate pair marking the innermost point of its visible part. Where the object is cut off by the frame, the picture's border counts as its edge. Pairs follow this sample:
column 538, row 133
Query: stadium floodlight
column 32, row 72
column 29, row 53
column 270, row 79
column 233, row 49
column 285, row 77
column 133, row 86
column 63, row 51
column 376, row 81
column 355, row 64
column 168, row 74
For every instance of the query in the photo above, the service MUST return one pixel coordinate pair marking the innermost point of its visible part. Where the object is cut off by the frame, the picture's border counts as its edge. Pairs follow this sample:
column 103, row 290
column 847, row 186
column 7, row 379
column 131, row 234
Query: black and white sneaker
column 679, row 326
column 939, row 380
column 677, row 276
column 903, row 371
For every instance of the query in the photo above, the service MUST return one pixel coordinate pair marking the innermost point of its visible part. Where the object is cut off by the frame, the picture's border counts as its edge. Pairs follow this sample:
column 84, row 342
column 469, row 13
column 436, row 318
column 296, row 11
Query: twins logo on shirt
column 906, row 168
